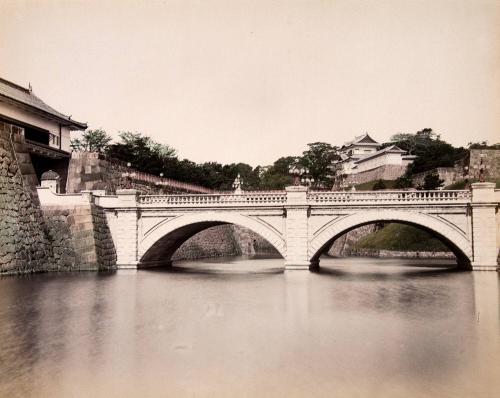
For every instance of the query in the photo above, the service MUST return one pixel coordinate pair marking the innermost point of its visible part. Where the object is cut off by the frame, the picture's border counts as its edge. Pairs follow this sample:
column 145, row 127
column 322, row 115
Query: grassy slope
column 400, row 237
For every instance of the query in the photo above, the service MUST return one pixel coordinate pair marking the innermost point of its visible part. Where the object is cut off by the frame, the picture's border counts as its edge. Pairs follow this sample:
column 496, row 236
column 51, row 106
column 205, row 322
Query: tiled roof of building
column 361, row 139
column 19, row 95
column 389, row 149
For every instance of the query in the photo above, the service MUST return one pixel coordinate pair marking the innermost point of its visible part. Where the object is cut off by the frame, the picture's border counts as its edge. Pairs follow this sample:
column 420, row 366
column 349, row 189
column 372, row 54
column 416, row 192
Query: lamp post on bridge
column 299, row 174
column 481, row 168
column 237, row 185
column 128, row 175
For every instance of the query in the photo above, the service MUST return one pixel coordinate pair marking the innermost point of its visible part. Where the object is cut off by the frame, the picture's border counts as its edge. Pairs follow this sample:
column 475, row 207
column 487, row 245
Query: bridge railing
column 390, row 197
column 313, row 198
column 223, row 199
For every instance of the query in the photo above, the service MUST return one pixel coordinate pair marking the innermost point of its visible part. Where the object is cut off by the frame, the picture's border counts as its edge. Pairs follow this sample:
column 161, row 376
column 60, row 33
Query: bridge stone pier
column 301, row 224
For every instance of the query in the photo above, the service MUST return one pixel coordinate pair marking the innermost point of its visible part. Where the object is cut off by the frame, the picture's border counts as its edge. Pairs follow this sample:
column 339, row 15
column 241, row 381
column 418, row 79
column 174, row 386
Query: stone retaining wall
column 80, row 238
column 387, row 172
column 399, row 254
column 491, row 163
column 449, row 175
column 223, row 241
column 93, row 171
column 24, row 246
column 345, row 242
column 216, row 241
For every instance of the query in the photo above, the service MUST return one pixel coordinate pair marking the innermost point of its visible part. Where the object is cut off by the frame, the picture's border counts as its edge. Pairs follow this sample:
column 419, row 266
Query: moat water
column 243, row 328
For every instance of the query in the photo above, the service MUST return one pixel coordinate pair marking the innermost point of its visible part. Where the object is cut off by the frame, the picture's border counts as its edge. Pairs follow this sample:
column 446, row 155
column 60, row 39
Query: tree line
column 317, row 160
column 156, row 158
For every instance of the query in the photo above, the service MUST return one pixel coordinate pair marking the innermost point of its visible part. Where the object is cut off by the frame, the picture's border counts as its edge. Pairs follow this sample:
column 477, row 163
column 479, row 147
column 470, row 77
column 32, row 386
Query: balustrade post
column 125, row 227
column 484, row 227
column 296, row 229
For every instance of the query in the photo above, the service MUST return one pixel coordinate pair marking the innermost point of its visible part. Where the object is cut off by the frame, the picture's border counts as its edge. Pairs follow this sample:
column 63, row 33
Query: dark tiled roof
column 361, row 139
column 366, row 139
column 20, row 95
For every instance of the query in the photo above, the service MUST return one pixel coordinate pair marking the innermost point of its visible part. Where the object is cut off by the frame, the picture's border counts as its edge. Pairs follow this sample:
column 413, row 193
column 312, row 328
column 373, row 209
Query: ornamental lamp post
column 128, row 175
column 237, row 185
column 481, row 167
column 307, row 181
column 466, row 177
column 297, row 170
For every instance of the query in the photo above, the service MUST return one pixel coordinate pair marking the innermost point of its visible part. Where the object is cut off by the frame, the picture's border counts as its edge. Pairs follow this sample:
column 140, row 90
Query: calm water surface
column 238, row 328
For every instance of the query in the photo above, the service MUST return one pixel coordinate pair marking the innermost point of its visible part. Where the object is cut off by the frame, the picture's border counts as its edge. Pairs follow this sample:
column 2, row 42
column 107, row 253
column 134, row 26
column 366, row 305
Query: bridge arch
column 169, row 234
column 453, row 237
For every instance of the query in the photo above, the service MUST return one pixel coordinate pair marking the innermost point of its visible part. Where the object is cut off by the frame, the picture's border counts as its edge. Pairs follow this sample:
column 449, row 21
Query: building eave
column 64, row 121
column 47, row 151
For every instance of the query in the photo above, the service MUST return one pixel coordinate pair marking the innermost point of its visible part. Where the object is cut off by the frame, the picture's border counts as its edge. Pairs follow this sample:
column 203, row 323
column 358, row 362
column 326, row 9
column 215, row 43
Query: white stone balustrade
column 392, row 197
column 223, row 199
column 312, row 198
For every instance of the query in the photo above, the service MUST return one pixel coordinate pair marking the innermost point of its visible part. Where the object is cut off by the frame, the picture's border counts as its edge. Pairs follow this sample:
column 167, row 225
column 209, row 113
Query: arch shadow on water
column 231, row 266
column 388, row 271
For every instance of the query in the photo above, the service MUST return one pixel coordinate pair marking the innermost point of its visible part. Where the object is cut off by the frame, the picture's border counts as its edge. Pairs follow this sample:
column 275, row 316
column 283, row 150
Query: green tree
column 430, row 150
column 318, row 158
column 277, row 176
column 482, row 145
column 379, row 184
column 142, row 152
column 432, row 181
column 404, row 182
column 92, row 141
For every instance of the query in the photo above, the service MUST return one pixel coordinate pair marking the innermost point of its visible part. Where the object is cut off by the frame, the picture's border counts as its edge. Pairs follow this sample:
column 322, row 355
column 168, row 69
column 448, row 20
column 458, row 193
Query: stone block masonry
column 36, row 239
column 342, row 246
column 90, row 171
column 24, row 246
column 490, row 162
column 224, row 241
column 218, row 241
column 80, row 238
column 386, row 172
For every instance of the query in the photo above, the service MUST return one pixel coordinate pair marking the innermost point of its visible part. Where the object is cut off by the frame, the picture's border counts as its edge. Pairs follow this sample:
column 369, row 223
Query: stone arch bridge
column 301, row 224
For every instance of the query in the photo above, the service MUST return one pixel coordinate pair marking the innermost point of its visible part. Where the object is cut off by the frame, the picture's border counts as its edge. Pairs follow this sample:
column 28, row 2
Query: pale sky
column 251, row 81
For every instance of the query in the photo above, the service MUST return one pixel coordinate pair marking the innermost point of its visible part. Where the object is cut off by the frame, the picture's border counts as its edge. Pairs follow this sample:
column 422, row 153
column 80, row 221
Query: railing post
column 124, row 229
column 484, row 227
column 296, row 229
